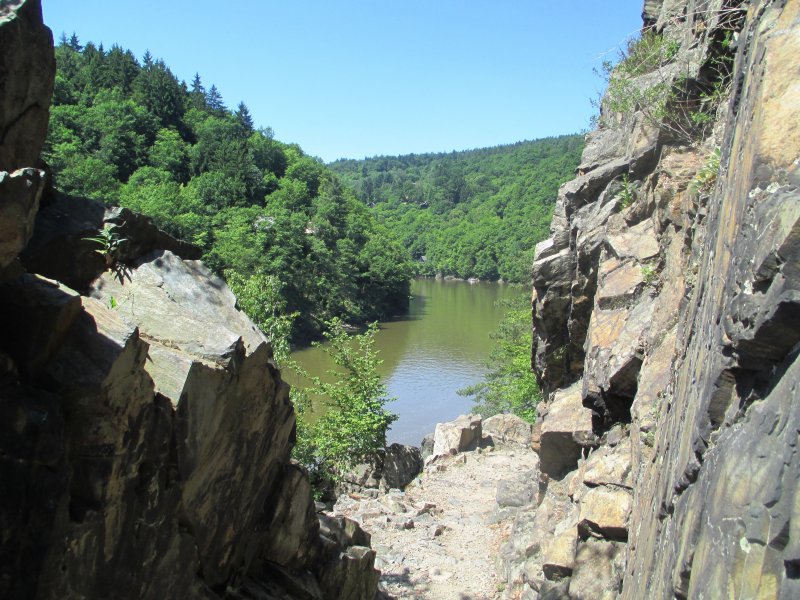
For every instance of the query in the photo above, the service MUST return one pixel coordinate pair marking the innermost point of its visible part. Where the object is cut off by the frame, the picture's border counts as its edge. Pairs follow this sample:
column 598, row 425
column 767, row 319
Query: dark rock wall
column 666, row 336
column 145, row 432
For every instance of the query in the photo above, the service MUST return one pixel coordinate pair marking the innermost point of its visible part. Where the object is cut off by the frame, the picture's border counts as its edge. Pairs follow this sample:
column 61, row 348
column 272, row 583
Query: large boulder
column 507, row 429
column 457, row 436
column 566, row 432
column 391, row 468
column 59, row 248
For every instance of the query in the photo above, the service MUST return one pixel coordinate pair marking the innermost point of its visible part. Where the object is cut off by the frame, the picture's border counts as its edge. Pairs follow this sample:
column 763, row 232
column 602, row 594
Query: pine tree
column 74, row 43
column 244, row 117
column 197, row 95
column 214, row 100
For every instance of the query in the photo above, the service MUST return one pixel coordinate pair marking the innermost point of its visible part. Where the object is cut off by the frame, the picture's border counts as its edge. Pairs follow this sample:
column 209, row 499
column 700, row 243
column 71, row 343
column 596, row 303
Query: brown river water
column 439, row 347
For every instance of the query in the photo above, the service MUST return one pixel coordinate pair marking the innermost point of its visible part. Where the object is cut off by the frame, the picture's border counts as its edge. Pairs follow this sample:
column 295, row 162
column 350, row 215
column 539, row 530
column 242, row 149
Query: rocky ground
column 437, row 539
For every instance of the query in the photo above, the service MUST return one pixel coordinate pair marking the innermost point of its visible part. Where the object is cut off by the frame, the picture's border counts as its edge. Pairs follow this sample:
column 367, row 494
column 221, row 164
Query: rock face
column 27, row 73
column 666, row 335
column 145, row 432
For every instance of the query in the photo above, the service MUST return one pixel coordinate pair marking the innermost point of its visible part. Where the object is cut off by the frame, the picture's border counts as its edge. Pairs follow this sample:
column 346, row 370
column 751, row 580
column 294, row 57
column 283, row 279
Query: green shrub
column 352, row 422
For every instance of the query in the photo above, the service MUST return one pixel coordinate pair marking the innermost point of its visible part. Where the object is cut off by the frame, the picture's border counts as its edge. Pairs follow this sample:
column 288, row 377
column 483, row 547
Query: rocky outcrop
column 666, row 333
column 457, row 436
column 27, row 73
column 145, row 432
column 394, row 467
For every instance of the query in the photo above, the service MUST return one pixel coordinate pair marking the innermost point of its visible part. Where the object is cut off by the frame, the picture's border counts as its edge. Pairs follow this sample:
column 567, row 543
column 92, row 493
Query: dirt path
column 438, row 540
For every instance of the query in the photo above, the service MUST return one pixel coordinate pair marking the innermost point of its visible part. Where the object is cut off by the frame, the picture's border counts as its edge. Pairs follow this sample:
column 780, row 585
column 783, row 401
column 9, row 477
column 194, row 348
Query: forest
column 291, row 239
column 476, row 213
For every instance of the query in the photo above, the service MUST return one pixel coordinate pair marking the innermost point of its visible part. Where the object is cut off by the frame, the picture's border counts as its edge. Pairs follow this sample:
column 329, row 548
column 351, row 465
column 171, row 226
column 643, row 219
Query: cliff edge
column 666, row 329
column 145, row 433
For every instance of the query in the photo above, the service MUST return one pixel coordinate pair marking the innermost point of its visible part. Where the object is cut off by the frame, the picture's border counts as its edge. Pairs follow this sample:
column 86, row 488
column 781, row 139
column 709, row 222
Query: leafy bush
column 352, row 422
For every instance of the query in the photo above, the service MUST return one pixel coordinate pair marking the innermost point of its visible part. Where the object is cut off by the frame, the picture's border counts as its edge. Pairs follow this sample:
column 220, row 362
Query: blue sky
column 356, row 78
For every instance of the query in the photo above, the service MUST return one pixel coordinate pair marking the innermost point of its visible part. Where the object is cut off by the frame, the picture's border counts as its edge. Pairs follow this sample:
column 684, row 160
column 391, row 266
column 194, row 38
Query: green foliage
column 109, row 241
column 648, row 274
column 647, row 80
column 477, row 213
column 627, row 192
column 260, row 297
column 706, row 177
column 264, row 212
column 353, row 421
column 509, row 385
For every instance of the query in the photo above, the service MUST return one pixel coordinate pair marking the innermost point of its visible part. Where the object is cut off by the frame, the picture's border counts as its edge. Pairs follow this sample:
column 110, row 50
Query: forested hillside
column 477, row 213
column 278, row 223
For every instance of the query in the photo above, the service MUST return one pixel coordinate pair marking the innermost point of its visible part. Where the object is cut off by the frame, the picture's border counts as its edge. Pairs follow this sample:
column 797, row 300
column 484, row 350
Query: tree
column 353, row 420
column 214, row 100
column 244, row 117
column 171, row 153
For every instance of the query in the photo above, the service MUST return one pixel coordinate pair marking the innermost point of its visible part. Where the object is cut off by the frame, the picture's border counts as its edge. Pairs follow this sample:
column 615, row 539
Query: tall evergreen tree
column 214, row 100
column 244, row 117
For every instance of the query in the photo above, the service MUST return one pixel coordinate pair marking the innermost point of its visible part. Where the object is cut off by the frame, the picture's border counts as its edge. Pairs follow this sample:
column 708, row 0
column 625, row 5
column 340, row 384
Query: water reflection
column 437, row 349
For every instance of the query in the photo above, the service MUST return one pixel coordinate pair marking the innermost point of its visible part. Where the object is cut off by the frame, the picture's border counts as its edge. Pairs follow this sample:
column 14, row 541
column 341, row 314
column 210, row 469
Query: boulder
column 605, row 511
column 609, row 466
column 401, row 464
column 457, row 436
column 559, row 554
column 20, row 193
column 59, row 248
column 507, row 429
column 391, row 468
column 519, row 491
column 598, row 571
column 165, row 297
column 566, row 431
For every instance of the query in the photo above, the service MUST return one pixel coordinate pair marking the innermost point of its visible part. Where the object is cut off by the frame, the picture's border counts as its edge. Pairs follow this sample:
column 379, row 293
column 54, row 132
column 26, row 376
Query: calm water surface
column 438, row 348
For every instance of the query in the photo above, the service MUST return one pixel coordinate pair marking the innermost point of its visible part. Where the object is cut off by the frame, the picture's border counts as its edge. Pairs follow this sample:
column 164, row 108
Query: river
column 439, row 347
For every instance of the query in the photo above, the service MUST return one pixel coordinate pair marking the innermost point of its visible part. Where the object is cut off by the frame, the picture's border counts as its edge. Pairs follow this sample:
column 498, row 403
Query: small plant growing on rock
column 110, row 243
column 706, row 177
column 627, row 193
column 648, row 274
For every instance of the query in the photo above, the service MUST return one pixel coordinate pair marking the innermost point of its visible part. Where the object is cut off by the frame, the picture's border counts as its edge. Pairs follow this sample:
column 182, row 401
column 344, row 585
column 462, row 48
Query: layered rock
column 145, row 431
column 665, row 306
column 27, row 73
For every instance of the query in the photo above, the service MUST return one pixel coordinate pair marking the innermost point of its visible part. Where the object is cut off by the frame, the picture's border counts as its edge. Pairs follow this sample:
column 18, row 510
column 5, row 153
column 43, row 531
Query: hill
column 477, row 213
column 278, row 223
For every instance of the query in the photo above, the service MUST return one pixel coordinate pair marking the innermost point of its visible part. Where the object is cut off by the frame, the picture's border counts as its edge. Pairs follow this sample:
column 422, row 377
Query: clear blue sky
column 356, row 78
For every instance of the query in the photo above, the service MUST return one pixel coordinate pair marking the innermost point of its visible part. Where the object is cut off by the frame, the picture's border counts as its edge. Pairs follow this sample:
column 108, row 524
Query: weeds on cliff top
column 352, row 421
column 645, row 80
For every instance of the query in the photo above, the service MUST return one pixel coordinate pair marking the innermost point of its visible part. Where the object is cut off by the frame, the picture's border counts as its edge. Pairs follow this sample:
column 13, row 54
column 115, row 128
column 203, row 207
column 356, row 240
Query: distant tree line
column 290, row 237
column 477, row 213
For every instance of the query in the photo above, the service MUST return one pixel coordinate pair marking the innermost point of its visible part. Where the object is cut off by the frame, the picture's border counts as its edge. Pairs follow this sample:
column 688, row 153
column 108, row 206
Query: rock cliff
column 145, row 432
column 666, row 327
